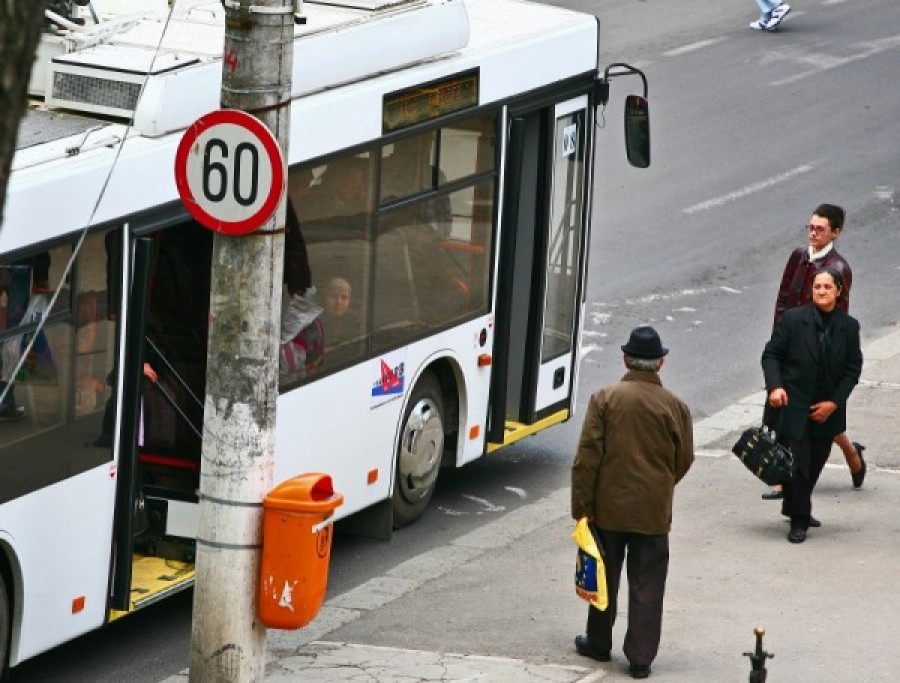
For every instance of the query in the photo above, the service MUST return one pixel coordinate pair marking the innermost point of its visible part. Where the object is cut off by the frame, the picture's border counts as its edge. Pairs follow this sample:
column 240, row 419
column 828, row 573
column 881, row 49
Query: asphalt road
column 750, row 132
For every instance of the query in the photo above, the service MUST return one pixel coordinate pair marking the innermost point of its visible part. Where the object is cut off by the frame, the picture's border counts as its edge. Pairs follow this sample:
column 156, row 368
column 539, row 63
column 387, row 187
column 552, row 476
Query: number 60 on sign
column 229, row 171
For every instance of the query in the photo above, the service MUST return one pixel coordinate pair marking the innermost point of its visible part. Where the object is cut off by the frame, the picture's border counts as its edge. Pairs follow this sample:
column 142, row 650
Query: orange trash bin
column 296, row 552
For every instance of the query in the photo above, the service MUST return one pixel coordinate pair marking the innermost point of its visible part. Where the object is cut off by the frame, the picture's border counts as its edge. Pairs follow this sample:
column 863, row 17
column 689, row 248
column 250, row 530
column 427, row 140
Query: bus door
column 540, row 274
column 161, row 414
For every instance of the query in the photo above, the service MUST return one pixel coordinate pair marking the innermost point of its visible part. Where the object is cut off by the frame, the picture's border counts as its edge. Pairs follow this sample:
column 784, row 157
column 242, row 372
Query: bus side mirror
column 637, row 131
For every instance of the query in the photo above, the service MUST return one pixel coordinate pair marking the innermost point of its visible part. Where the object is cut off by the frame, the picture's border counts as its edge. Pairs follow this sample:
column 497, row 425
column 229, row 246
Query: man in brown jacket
column 636, row 443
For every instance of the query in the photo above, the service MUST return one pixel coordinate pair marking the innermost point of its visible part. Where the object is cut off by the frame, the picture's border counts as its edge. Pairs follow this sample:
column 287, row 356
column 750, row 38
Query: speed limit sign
column 229, row 171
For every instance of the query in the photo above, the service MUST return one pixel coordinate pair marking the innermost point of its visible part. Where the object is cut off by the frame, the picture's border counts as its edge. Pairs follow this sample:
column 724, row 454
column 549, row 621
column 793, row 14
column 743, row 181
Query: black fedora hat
column 644, row 343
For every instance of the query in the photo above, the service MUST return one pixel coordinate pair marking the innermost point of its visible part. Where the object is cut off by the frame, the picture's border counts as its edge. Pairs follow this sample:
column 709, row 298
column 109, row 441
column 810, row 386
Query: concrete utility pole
column 228, row 640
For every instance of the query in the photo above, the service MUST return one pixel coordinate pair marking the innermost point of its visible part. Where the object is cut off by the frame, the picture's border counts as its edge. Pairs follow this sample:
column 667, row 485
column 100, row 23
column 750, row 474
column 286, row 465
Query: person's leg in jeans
column 648, row 566
column 765, row 8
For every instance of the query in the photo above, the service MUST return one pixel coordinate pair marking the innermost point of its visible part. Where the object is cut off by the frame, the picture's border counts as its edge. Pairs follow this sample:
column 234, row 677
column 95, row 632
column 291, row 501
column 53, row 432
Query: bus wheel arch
column 427, row 437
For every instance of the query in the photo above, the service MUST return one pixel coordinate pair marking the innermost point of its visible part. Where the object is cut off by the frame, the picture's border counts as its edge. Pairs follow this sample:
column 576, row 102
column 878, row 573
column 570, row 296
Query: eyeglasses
column 817, row 228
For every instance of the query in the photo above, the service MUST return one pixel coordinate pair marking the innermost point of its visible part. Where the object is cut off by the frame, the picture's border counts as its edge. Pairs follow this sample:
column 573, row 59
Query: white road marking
column 715, row 453
column 823, row 62
column 599, row 318
column 885, row 193
column 521, row 493
column 450, row 512
column 587, row 349
column 748, row 190
column 730, row 290
column 486, row 504
column 649, row 298
column 693, row 47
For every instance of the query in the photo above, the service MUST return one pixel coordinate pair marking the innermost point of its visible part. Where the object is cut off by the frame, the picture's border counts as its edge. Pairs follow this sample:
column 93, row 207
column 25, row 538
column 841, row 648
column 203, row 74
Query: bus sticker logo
column 569, row 140
column 391, row 381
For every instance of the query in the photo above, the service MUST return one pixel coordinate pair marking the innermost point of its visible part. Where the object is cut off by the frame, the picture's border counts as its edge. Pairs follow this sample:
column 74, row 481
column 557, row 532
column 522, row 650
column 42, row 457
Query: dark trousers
column 647, row 567
column 810, row 455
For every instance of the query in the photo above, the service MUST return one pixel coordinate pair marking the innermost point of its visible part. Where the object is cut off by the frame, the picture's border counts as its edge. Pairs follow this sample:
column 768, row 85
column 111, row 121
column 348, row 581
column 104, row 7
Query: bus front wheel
column 5, row 619
column 419, row 451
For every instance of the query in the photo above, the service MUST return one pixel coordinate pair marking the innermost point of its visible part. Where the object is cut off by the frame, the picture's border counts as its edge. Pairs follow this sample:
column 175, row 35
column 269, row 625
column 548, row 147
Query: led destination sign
column 429, row 101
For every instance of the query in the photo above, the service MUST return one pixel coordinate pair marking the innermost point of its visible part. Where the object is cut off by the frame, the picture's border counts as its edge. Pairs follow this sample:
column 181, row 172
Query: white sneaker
column 781, row 10
column 778, row 15
column 759, row 24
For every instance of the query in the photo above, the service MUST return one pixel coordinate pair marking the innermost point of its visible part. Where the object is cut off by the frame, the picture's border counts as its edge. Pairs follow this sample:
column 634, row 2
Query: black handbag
column 769, row 461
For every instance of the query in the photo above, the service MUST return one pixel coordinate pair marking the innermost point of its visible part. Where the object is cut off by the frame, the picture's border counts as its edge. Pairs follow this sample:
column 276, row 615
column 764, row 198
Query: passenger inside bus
column 344, row 335
column 25, row 285
column 302, row 338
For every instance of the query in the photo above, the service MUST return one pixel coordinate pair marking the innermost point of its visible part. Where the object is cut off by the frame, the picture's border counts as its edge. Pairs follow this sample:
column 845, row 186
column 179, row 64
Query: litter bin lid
column 311, row 492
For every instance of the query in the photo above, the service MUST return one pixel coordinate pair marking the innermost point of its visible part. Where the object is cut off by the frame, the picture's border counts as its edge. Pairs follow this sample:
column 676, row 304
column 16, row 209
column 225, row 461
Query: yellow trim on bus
column 514, row 431
column 154, row 578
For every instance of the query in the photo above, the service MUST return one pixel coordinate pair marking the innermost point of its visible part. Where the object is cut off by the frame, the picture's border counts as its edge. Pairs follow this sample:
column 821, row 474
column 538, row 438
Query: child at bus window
column 337, row 298
column 342, row 320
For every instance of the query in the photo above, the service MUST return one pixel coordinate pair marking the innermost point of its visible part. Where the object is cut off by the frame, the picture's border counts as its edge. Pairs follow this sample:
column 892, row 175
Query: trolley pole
column 227, row 639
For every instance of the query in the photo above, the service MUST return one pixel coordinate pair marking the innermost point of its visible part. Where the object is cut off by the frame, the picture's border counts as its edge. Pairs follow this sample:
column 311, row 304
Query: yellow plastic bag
column 590, row 572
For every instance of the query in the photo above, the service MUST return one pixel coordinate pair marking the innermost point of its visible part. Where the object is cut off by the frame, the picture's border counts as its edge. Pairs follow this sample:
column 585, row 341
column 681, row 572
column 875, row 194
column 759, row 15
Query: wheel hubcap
column 421, row 446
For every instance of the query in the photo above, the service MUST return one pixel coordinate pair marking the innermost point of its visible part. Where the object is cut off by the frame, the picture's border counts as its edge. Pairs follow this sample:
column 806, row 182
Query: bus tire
column 5, row 629
column 419, row 451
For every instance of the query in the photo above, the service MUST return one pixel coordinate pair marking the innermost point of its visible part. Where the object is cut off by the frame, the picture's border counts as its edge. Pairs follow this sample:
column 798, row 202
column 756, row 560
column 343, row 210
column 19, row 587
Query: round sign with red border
column 229, row 171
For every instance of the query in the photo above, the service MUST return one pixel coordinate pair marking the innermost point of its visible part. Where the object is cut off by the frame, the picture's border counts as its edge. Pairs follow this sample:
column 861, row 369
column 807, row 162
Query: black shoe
column 797, row 535
column 11, row 413
column 814, row 523
column 585, row 649
column 774, row 494
column 859, row 477
column 639, row 670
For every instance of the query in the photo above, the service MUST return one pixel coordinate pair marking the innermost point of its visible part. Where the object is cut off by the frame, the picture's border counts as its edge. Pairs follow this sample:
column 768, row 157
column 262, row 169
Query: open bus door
column 160, row 420
column 543, row 240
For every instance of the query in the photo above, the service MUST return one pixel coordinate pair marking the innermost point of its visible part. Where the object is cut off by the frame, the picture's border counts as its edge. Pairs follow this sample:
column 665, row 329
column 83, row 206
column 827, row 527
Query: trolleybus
column 439, row 190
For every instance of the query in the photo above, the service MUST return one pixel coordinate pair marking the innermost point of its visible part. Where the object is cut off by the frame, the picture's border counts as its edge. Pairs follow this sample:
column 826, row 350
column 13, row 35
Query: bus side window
column 55, row 401
column 432, row 259
column 467, row 147
column 407, row 166
column 332, row 203
column 424, row 281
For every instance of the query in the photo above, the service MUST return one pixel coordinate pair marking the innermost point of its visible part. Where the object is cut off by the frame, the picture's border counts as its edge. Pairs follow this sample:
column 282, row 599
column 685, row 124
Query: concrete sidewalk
column 498, row 604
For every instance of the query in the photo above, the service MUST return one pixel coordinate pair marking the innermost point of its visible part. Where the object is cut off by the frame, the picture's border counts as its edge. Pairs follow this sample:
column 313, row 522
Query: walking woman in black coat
column 811, row 364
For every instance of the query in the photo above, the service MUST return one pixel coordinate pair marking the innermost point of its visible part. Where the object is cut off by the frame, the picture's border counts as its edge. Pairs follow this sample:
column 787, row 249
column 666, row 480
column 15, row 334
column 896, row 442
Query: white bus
column 440, row 167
